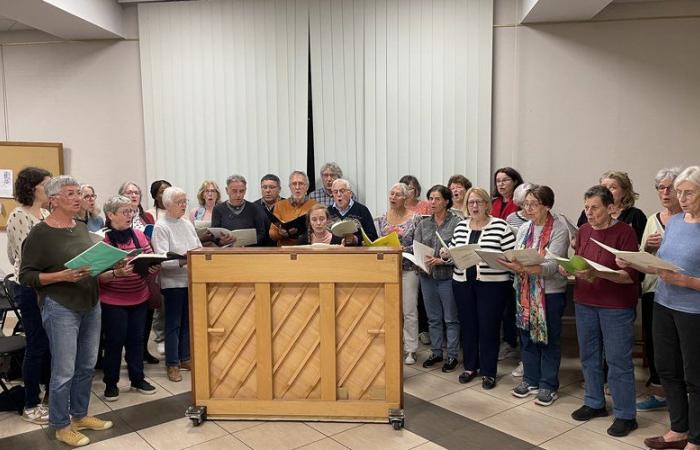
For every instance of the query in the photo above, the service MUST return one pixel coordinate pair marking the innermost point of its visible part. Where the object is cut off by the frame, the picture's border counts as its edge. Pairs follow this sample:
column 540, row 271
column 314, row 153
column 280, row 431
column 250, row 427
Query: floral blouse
column 405, row 232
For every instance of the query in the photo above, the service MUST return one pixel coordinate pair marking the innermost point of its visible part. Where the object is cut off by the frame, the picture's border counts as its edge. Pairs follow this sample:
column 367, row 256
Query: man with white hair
column 237, row 213
column 344, row 207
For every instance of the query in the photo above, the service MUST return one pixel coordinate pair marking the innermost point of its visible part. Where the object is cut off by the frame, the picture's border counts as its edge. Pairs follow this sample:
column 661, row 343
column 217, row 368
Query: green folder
column 99, row 258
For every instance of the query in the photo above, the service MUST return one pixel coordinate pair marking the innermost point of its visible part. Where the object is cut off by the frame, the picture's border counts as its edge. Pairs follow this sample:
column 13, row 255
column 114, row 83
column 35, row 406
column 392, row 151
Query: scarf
column 529, row 292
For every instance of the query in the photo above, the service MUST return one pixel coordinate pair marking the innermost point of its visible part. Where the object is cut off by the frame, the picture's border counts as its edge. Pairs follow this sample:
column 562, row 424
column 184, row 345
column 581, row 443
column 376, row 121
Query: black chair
column 11, row 351
column 7, row 304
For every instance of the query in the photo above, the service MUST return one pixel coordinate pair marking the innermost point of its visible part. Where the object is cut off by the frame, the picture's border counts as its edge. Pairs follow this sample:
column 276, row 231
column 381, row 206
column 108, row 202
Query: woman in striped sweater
column 124, row 299
column 481, row 291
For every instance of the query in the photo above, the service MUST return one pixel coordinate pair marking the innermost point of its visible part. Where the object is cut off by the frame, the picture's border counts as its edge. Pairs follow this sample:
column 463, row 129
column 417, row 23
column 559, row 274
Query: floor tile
column 324, row 444
column 429, row 446
column 11, row 424
column 127, row 397
column 561, row 409
column 647, row 428
column 227, row 442
column 453, row 377
column 180, row 433
column 232, row 426
column 661, row 416
column 473, row 404
column 279, row 435
column 379, row 437
column 502, row 391
column 526, row 425
column 428, row 386
column 331, row 428
column 410, row 371
column 97, row 406
column 132, row 441
column 581, row 439
column 173, row 387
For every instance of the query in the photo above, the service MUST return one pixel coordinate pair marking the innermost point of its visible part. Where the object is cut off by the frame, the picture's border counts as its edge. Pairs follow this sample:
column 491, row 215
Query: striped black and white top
column 496, row 235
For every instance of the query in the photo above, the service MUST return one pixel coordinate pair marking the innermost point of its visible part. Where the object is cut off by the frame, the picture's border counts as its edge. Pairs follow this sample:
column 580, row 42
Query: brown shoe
column 659, row 442
column 174, row 374
column 186, row 365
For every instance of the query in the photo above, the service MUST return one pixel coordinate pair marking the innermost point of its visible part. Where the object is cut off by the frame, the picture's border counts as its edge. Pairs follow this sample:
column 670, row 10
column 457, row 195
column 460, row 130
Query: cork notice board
column 15, row 156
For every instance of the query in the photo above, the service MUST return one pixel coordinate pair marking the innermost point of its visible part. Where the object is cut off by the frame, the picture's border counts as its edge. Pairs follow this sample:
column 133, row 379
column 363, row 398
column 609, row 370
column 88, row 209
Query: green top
column 46, row 250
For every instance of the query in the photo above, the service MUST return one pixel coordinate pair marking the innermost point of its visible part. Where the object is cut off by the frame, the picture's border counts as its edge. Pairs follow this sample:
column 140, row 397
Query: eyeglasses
column 89, row 196
column 689, row 194
column 662, row 188
column 69, row 194
column 528, row 205
column 210, row 191
column 339, row 191
column 132, row 193
column 503, row 180
column 182, row 202
column 128, row 212
column 475, row 202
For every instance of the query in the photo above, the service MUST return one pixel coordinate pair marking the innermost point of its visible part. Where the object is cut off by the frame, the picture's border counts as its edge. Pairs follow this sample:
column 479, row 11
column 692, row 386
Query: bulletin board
column 15, row 156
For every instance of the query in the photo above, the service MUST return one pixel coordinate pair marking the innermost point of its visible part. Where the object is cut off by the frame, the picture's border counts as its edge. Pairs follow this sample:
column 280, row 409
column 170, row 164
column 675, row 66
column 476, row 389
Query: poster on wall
column 6, row 184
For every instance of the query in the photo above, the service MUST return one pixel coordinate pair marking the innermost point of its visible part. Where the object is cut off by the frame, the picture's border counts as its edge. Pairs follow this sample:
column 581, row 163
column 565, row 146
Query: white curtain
column 225, row 89
column 399, row 87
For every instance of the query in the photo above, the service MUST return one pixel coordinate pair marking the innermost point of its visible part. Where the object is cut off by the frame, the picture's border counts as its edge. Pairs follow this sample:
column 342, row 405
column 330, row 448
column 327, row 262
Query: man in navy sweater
column 344, row 207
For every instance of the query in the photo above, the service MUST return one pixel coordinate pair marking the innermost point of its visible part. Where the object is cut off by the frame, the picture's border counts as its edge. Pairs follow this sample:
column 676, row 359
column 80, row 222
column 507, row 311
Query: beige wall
column 86, row 95
column 574, row 99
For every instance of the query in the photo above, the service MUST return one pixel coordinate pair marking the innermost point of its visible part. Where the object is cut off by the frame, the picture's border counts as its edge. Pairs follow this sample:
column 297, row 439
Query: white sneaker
column 160, row 348
column 518, row 371
column 38, row 415
column 410, row 358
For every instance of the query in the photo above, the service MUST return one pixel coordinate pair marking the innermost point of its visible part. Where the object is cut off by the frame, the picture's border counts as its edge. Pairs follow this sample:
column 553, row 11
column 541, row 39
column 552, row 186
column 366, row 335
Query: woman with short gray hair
column 174, row 233
column 517, row 218
column 71, row 309
column 124, row 297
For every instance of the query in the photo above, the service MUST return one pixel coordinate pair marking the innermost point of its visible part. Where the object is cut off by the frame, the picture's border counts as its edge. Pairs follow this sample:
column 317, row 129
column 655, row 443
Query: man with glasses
column 296, row 206
column 330, row 172
column 344, row 207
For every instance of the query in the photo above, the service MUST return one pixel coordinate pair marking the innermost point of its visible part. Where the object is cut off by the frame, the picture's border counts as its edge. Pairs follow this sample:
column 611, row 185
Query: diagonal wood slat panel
column 361, row 355
column 233, row 353
column 295, row 351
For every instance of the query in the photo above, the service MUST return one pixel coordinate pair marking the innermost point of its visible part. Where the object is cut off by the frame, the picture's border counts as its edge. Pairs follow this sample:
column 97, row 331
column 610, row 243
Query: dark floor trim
column 423, row 418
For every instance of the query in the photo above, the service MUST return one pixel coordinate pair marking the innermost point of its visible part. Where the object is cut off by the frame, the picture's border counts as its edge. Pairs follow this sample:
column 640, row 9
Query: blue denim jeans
column 123, row 328
column 36, row 367
column 480, row 305
column 610, row 330
column 441, row 309
column 541, row 361
column 73, row 338
column 177, row 326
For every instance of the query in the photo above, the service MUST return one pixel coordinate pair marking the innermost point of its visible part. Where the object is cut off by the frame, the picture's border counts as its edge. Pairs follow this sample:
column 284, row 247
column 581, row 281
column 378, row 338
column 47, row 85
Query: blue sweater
column 680, row 246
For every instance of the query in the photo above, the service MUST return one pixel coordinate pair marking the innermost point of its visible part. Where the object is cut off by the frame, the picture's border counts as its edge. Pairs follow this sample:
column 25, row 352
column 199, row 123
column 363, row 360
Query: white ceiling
column 12, row 25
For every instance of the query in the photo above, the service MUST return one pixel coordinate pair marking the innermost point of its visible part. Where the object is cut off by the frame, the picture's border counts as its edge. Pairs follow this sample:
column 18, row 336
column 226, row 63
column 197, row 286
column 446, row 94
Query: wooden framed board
column 15, row 156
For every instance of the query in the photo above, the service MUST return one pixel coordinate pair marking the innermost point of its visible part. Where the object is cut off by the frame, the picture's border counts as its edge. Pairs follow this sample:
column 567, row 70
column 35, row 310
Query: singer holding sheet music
column 539, row 296
column 297, row 205
column 605, row 311
column 677, row 318
column 71, row 310
column 124, row 298
column 481, row 291
column 174, row 233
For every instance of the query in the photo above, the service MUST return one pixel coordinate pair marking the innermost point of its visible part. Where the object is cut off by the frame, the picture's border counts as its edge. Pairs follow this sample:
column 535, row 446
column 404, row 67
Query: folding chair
column 7, row 304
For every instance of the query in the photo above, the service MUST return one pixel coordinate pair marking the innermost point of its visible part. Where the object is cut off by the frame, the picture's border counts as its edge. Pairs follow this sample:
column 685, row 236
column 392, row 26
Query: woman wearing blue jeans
column 70, row 310
column 173, row 233
column 540, row 299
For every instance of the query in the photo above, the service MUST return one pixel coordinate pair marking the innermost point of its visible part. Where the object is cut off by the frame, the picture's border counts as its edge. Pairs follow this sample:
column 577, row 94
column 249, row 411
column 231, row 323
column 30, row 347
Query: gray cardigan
column 558, row 245
column 425, row 234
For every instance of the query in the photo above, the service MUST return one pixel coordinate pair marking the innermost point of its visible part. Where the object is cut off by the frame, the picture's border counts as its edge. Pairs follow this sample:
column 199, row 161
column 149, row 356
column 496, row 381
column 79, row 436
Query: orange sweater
column 285, row 211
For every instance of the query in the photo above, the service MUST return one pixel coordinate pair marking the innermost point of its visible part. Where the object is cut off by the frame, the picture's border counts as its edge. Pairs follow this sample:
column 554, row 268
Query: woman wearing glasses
column 651, row 241
column 141, row 218
column 89, row 212
column 174, row 233
column 677, row 318
column 481, row 291
column 124, row 298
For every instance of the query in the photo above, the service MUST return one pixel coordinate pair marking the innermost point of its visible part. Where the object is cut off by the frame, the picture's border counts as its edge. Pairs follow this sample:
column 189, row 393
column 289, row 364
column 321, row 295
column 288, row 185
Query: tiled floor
column 440, row 413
